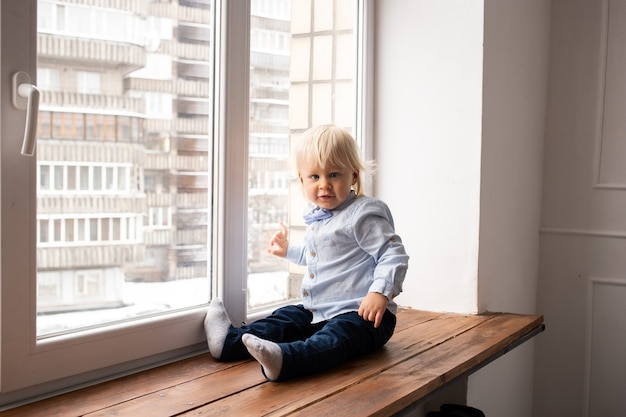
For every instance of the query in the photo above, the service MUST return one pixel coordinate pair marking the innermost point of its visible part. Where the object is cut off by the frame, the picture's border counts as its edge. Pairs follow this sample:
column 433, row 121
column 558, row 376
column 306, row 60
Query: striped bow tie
column 317, row 214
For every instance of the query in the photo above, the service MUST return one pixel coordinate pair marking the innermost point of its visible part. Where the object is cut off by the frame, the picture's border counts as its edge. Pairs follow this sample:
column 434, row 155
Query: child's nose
column 324, row 183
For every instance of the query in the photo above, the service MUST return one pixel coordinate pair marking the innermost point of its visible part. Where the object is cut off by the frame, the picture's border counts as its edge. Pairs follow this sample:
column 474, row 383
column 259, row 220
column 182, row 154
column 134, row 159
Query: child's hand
column 279, row 242
column 373, row 307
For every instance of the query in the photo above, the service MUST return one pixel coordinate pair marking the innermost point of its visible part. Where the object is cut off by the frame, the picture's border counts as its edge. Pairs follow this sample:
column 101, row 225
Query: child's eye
column 334, row 175
column 314, row 176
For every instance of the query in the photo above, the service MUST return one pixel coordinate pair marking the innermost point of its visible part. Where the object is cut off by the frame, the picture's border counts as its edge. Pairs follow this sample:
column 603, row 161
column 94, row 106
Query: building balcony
column 195, row 125
column 192, row 88
column 195, row 270
column 193, row 32
column 158, row 125
column 192, row 106
column 88, row 102
column 158, row 237
column 90, row 151
column 187, row 88
column 279, row 128
column 184, row 254
column 194, row 163
column 191, row 181
column 278, row 96
column 269, row 61
column 191, row 219
column 181, row 13
column 192, row 236
column 158, row 161
column 88, row 204
column 145, row 84
column 74, row 257
column 190, row 51
column 193, row 200
column 160, row 199
column 192, row 144
column 197, row 70
column 122, row 57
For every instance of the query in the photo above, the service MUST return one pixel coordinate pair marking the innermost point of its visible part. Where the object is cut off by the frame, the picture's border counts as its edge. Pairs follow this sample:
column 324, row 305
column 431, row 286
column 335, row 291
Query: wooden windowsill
column 427, row 352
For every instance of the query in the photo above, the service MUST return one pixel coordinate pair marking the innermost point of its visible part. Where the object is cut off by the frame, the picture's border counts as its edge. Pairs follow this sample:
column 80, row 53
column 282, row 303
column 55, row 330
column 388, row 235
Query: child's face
column 328, row 187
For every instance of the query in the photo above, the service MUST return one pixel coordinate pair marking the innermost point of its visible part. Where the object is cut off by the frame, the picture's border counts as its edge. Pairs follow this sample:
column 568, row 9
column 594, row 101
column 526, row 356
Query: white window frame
column 31, row 368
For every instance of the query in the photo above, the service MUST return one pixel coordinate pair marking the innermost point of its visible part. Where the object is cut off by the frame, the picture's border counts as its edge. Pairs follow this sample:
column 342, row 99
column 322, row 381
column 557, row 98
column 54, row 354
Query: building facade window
column 64, row 178
column 88, row 82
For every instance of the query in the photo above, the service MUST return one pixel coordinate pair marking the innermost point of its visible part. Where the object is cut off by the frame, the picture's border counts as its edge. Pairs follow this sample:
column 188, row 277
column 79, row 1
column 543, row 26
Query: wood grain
column 427, row 351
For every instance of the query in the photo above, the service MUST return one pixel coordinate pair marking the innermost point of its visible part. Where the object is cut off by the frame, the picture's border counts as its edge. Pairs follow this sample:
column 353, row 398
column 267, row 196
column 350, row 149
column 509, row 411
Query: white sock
column 216, row 325
column 267, row 353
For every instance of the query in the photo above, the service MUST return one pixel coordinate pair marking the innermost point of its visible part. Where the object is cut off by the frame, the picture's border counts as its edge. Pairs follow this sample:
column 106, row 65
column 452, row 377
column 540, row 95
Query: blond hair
column 333, row 146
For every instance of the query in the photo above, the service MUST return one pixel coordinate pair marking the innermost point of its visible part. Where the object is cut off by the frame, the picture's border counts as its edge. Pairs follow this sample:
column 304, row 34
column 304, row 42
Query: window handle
column 26, row 97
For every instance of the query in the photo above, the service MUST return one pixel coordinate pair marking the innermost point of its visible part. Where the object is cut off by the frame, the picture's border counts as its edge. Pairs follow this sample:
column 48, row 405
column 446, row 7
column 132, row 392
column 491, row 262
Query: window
column 158, row 105
column 88, row 82
column 158, row 67
column 302, row 74
column 159, row 218
column 140, row 187
column 82, row 20
column 108, row 179
column 48, row 79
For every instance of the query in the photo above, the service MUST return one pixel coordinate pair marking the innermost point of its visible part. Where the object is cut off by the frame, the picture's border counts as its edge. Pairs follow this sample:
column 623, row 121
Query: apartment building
column 124, row 189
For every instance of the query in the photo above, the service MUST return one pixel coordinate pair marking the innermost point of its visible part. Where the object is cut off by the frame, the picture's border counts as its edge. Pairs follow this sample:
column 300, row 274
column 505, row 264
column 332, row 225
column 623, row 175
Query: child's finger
column 378, row 320
column 284, row 230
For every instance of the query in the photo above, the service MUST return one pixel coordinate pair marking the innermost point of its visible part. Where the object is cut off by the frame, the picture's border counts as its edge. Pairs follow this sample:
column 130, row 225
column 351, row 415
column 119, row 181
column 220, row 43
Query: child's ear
column 355, row 176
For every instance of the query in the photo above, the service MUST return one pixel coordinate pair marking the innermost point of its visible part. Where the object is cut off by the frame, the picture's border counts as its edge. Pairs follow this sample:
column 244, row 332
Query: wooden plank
column 177, row 399
column 279, row 399
column 401, row 386
column 182, row 397
column 97, row 397
column 407, row 318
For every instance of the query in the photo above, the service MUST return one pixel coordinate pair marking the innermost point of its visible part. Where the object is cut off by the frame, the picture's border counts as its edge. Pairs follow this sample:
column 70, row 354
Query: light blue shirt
column 352, row 253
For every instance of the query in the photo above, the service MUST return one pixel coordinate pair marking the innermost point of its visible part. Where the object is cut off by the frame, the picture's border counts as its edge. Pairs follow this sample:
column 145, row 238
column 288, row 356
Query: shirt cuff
column 381, row 286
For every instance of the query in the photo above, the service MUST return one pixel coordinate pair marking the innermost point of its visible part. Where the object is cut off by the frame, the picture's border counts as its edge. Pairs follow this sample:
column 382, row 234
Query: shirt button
column 313, row 254
column 311, row 276
column 305, row 293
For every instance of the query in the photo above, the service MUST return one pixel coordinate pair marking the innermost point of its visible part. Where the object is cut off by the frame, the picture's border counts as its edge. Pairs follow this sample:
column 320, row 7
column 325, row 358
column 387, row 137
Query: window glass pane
column 58, row 177
column 69, row 230
column 43, row 124
column 43, row 231
column 84, row 178
column 57, row 230
column 96, row 178
column 122, row 221
column 44, row 177
column 301, row 74
column 81, row 229
column 88, row 82
column 48, row 79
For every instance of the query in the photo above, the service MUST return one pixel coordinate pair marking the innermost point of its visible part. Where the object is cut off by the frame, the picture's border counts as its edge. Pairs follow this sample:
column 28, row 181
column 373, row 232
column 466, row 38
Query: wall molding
column 592, row 283
column 598, row 184
column 612, row 234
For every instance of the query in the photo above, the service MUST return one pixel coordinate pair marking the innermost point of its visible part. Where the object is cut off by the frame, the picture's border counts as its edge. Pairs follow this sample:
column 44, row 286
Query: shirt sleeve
column 375, row 234
column 296, row 254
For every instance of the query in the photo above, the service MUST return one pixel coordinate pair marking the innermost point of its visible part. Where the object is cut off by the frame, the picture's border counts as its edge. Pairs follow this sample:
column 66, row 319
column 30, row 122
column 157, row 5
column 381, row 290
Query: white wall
column 515, row 99
column 428, row 114
column 459, row 141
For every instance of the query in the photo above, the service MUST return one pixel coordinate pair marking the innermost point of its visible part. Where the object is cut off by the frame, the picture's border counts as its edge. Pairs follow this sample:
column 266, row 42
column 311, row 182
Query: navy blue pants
column 309, row 348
